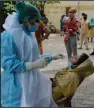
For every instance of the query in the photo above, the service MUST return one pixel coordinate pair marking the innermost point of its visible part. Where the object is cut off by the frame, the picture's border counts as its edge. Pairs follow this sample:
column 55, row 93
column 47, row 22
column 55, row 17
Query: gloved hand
column 59, row 56
column 48, row 57
column 40, row 63
column 69, row 64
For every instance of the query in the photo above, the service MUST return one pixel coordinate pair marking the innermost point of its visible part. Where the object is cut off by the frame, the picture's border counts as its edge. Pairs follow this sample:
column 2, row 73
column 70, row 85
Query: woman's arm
column 9, row 59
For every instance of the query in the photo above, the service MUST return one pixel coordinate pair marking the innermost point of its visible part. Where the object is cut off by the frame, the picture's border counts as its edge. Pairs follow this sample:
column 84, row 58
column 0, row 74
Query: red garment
column 71, row 27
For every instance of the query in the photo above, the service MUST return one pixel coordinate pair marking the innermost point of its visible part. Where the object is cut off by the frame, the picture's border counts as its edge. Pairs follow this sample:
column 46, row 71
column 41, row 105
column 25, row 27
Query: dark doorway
column 67, row 9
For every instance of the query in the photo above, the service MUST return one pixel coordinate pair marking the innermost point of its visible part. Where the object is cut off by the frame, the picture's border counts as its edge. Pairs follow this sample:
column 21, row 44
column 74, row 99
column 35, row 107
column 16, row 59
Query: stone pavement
column 84, row 96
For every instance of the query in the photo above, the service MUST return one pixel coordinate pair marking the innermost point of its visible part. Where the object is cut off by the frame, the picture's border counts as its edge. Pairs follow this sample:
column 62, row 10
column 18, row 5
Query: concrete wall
column 54, row 11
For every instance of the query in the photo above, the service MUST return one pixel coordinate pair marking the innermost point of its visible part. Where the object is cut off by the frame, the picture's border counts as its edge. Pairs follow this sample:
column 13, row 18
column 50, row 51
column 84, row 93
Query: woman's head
column 72, row 12
column 83, row 57
column 29, row 15
column 27, row 12
column 84, row 16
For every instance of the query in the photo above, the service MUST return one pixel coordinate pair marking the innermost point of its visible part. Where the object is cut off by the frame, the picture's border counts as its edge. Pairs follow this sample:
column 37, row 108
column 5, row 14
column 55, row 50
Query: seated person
column 66, row 82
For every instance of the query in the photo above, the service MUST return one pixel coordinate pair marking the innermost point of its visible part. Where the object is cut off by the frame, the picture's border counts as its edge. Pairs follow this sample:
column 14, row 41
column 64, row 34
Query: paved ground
column 84, row 96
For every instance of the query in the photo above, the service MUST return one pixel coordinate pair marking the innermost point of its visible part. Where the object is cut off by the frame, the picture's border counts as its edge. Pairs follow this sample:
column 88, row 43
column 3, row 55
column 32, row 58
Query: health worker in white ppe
column 22, row 84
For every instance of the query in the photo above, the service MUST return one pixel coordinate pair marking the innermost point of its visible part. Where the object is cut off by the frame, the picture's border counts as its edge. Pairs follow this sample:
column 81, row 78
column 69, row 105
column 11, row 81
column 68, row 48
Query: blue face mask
column 33, row 28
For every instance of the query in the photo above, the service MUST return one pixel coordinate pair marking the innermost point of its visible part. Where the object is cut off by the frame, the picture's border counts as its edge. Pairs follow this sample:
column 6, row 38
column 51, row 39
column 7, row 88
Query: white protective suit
column 21, row 88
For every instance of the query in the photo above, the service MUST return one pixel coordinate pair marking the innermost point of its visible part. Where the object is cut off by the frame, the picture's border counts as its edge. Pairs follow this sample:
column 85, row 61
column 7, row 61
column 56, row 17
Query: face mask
column 71, row 15
column 33, row 28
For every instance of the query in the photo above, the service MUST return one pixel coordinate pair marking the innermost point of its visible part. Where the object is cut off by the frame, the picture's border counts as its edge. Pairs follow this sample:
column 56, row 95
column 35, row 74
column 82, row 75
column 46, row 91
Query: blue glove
column 48, row 57
column 69, row 64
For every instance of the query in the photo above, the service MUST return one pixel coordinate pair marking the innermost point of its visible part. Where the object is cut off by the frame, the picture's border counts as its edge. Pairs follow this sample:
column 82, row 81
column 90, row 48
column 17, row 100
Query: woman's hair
column 84, row 16
column 62, row 16
column 81, row 59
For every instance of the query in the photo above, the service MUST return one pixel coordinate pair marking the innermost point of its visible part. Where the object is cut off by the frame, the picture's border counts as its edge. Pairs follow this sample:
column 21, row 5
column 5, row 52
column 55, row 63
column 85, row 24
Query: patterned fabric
column 91, row 32
column 65, row 83
column 72, row 26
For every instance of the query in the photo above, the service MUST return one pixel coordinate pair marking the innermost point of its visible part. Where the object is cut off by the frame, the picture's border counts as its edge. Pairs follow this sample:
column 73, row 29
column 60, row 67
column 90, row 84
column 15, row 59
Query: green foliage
column 41, row 3
column 8, row 6
column 52, row 1
column 35, row 3
column 38, row 3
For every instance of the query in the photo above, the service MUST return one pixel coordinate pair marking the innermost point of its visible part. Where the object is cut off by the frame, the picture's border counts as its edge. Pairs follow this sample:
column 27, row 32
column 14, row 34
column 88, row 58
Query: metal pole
column 78, row 7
